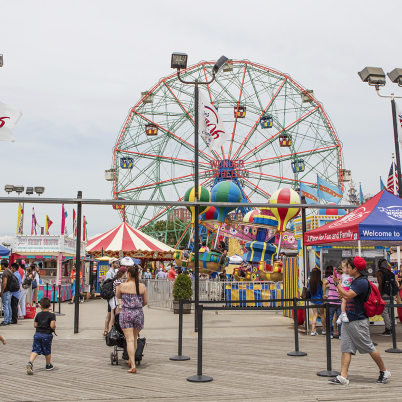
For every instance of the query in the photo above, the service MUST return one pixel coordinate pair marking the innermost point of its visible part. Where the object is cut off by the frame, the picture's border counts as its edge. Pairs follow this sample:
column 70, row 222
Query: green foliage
column 169, row 232
column 182, row 288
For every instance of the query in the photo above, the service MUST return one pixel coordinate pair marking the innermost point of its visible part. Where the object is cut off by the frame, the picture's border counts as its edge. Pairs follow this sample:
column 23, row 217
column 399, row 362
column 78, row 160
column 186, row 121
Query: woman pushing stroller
column 133, row 295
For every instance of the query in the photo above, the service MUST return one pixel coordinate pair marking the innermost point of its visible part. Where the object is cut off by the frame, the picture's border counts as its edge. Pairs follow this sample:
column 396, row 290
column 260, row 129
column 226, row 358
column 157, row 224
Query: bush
column 182, row 288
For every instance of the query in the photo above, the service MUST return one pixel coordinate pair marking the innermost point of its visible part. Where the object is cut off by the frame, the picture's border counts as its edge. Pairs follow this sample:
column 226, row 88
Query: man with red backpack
column 362, row 301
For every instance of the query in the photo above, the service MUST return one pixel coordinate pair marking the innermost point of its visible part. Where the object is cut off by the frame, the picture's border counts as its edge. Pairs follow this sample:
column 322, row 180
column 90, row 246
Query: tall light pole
column 179, row 61
column 375, row 76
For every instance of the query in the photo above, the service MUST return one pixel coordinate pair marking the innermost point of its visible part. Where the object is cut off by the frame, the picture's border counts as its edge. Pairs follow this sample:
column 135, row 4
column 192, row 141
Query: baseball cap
column 360, row 264
column 112, row 260
column 127, row 261
column 123, row 269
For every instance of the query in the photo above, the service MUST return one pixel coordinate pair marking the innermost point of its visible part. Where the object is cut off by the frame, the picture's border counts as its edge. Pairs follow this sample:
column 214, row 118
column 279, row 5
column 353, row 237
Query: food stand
column 57, row 254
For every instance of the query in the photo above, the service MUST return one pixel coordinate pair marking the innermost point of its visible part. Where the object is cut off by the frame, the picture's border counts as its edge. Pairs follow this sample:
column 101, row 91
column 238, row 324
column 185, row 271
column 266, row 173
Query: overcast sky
column 74, row 68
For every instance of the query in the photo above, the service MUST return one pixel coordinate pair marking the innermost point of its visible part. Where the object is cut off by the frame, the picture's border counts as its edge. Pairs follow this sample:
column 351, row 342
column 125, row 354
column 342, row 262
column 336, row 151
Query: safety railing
column 208, row 305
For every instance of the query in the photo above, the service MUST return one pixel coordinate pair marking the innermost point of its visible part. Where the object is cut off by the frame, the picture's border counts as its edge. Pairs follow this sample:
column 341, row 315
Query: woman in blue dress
column 315, row 287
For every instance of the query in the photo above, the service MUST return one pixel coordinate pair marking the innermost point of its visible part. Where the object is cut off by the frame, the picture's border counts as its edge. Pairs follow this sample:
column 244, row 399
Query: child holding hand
column 346, row 281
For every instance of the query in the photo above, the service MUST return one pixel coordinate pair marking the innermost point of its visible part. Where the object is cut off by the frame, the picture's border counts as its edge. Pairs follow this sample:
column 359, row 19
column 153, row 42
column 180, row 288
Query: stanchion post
column 296, row 352
column 394, row 348
column 59, row 301
column 54, row 297
column 179, row 356
column 328, row 372
column 199, row 377
column 47, row 291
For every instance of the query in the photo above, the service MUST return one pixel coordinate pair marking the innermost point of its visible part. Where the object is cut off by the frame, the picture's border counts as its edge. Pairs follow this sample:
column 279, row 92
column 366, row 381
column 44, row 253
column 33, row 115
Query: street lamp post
column 375, row 76
column 179, row 61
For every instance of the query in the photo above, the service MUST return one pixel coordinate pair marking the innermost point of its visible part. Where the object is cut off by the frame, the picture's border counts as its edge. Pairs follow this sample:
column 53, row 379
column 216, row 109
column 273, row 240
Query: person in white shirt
column 114, row 267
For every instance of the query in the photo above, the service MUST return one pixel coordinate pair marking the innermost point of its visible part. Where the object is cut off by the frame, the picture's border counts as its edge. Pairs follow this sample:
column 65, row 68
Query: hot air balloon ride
column 284, row 215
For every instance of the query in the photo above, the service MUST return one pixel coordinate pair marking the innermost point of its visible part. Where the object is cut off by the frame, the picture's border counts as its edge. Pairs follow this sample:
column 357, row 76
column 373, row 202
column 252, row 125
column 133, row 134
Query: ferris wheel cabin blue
column 266, row 121
column 298, row 166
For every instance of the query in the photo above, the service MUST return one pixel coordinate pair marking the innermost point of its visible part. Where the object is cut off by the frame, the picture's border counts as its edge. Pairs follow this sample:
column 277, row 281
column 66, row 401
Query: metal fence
column 160, row 292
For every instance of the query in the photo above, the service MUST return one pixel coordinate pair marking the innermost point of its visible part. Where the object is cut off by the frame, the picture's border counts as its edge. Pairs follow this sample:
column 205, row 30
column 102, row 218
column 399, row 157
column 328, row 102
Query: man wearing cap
column 114, row 267
column 356, row 332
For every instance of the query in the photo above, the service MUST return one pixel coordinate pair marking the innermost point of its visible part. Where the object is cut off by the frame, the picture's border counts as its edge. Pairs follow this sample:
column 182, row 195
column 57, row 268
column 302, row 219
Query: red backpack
column 374, row 304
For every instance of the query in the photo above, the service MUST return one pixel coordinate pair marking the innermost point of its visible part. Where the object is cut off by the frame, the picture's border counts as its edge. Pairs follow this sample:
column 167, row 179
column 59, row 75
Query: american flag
column 393, row 179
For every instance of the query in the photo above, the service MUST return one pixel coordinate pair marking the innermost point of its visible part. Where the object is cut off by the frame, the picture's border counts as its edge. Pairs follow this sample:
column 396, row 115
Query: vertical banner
column 74, row 223
column 63, row 220
column 20, row 219
column 84, row 231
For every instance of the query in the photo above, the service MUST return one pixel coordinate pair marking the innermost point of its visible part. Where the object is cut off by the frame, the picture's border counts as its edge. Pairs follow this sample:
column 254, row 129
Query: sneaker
column 4, row 324
column 332, row 336
column 49, row 367
column 339, row 380
column 313, row 333
column 345, row 318
column 387, row 332
column 339, row 320
column 30, row 368
column 339, row 337
column 384, row 375
column 37, row 305
column 324, row 332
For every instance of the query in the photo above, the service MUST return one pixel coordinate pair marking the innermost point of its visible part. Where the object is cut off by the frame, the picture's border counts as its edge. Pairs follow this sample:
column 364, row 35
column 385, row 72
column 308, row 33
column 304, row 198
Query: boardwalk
column 253, row 368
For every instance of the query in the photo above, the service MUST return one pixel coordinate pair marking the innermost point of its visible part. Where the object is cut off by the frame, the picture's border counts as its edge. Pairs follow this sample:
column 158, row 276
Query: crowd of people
column 19, row 287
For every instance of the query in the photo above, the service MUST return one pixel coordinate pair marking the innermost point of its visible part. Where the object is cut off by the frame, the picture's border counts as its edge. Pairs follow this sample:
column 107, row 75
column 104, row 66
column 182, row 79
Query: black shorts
column 109, row 310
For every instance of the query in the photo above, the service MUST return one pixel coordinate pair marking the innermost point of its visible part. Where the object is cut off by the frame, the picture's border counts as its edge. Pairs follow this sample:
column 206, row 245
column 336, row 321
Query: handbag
column 113, row 337
column 305, row 293
column 34, row 284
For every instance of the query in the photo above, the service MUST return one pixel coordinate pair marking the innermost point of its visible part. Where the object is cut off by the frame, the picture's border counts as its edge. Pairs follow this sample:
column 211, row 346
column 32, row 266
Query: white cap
column 112, row 260
column 127, row 261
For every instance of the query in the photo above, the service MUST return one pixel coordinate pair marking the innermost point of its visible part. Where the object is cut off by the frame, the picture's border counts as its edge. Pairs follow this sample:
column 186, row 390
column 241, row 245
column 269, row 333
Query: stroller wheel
column 111, row 358
column 117, row 359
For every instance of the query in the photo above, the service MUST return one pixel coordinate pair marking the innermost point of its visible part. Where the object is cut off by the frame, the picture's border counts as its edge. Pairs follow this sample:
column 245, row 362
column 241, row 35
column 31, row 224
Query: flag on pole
column 9, row 117
column 84, row 232
column 211, row 126
column 392, row 183
column 63, row 220
column 74, row 223
column 361, row 194
column 399, row 122
column 328, row 192
column 34, row 223
column 382, row 184
column 310, row 193
column 48, row 224
column 20, row 220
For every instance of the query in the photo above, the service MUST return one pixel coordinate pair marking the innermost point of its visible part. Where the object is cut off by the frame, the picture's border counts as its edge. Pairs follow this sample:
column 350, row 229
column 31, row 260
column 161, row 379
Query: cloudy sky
column 74, row 68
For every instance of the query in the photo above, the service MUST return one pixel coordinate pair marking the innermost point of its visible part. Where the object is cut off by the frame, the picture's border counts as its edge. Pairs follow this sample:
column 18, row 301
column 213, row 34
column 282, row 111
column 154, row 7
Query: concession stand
column 56, row 255
column 368, row 231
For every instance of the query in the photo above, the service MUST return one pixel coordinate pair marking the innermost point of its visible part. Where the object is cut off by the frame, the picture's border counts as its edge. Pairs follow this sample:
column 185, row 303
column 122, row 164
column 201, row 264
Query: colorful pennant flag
column 20, row 219
column 328, row 192
column 63, row 220
column 84, row 232
column 74, row 223
column 392, row 182
column 310, row 193
column 361, row 194
column 48, row 224
column 382, row 184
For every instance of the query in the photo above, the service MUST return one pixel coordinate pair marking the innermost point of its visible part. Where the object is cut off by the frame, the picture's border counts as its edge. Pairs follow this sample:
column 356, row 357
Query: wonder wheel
column 278, row 134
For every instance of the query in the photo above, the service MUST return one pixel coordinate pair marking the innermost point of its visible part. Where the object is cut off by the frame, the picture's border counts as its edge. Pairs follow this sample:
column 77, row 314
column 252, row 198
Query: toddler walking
column 346, row 281
column 45, row 324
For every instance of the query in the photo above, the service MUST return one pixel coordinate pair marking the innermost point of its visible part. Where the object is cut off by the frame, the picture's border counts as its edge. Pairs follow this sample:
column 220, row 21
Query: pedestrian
column 133, row 295
column 36, row 283
column 356, row 332
column 398, row 279
column 172, row 273
column 147, row 275
column 29, row 296
column 45, row 324
column 346, row 281
column 15, row 296
column 110, row 274
column 333, row 298
column 114, row 302
column 386, row 285
column 25, row 286
column 314, row 285
column 5, row 293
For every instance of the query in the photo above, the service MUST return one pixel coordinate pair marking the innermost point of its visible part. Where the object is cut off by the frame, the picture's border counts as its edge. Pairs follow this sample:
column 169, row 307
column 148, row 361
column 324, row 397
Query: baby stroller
column 121, row 346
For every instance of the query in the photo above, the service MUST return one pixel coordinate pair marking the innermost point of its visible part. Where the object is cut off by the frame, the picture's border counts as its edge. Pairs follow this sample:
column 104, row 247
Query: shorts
column 131, row 318
column 42, row 344
column 113, row 303
column 109, row 310
column 356, row 336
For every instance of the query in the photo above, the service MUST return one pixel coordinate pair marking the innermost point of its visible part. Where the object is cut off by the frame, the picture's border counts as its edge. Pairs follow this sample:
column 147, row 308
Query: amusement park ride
column 278, row 135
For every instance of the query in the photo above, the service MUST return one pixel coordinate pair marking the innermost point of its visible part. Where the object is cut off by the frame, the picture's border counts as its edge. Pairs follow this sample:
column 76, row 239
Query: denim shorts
column 42, row 344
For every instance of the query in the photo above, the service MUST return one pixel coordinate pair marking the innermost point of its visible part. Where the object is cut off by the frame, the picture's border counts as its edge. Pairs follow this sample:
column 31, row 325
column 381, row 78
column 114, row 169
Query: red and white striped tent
column 131, row 242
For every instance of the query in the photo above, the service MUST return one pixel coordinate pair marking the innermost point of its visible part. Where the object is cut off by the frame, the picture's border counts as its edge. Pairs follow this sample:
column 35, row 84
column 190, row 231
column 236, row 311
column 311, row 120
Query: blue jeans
column 6, row 300
column 332, row 311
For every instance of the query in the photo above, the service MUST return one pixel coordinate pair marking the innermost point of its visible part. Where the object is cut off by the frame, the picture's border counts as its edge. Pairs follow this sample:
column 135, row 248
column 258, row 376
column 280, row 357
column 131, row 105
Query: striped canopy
column 131, row 242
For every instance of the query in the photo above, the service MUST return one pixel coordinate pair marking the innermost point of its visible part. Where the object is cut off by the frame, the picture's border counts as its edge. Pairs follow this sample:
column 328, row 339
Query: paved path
column 245, row 366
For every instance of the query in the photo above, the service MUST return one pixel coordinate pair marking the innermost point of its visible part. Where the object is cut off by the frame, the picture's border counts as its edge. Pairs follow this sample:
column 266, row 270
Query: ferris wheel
column 278, row 134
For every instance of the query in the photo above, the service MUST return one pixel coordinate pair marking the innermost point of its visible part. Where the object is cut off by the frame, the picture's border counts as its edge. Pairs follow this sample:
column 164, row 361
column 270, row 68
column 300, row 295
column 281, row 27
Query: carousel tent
column 132, row 242
column 378, row 222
